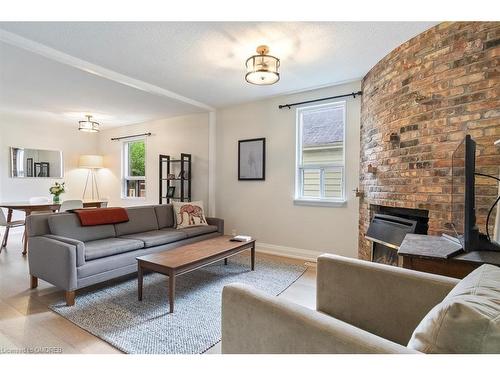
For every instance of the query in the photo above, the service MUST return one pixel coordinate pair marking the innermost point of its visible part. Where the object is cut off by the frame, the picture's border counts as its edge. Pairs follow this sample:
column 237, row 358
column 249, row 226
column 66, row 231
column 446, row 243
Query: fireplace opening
column 388, row 227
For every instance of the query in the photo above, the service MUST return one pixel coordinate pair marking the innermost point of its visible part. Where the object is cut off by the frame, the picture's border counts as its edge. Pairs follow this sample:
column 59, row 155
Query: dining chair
column 12, row 224
column 71, row 204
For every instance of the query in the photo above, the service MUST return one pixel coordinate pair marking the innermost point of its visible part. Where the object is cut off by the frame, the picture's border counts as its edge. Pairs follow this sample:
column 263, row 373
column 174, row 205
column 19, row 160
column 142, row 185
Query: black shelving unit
column 181, row 169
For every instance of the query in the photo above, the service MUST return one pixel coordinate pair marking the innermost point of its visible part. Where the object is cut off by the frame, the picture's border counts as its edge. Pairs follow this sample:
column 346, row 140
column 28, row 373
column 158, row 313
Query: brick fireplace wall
column 428, row 93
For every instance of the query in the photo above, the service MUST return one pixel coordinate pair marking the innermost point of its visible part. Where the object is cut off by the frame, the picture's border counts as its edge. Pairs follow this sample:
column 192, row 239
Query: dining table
column 28, row 208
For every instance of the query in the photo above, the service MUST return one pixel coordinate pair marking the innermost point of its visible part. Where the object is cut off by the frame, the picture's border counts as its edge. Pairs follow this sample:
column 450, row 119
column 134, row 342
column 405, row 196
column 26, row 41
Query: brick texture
column 430, row 91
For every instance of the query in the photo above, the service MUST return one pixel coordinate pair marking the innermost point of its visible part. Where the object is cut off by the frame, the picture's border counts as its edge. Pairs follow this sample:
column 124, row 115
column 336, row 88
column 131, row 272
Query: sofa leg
column 33, row 282
column 70, row 298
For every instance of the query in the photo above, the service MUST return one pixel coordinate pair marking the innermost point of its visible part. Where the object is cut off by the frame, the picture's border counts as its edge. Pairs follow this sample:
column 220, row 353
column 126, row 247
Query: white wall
column 265, row 209
column 26, row 132
column 171, row 136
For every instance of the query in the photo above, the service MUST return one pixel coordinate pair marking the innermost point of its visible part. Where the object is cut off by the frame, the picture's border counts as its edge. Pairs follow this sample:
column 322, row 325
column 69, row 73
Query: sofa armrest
column 80, row 247
column 219, row 223
column 385, row 300
column 53, row 261
column 253, row 322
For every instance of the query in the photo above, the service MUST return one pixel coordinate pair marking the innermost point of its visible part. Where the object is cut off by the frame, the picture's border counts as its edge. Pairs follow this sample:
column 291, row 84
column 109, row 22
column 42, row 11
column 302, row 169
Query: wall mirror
column 33, row 163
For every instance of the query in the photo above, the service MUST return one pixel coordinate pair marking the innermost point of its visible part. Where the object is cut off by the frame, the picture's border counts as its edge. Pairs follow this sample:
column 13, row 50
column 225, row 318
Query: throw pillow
column 467, row 320
column 189, row 214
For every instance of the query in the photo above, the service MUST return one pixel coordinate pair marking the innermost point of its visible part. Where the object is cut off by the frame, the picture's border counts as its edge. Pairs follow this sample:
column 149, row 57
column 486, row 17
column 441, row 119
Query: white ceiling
column 203, row 61
column 34, row 85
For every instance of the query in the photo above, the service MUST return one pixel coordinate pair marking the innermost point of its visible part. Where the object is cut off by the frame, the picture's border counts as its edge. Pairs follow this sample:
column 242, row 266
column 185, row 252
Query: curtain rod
column 353, row 94
column 131, row 136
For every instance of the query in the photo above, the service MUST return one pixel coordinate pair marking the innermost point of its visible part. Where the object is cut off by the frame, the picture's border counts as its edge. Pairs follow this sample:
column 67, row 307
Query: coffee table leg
column 225, row 261
column 252, row 255
column 139, row 281
column 171, row 290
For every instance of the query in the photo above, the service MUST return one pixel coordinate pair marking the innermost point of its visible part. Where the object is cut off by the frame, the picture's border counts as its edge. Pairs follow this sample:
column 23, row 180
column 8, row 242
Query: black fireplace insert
column 387, row 233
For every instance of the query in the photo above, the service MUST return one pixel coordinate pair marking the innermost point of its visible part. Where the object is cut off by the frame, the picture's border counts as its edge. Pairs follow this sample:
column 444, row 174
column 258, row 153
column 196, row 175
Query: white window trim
column 124, row 155
column 310, row 201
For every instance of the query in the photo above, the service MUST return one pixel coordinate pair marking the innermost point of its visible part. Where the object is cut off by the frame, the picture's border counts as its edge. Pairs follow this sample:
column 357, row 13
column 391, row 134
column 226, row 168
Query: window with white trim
column 320, row 171
column 134, row 169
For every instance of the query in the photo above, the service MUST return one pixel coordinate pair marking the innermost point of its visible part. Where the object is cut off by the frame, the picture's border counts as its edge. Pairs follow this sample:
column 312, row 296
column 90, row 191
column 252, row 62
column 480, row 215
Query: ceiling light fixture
column 262, row 69
column 88, row 125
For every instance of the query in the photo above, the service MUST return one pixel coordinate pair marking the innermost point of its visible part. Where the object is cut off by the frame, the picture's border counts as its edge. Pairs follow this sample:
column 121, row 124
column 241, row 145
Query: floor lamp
column 92, row 163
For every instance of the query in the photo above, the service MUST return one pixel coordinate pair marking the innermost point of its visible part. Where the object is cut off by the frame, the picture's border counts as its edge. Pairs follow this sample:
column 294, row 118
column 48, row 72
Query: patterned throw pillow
column 189, row 214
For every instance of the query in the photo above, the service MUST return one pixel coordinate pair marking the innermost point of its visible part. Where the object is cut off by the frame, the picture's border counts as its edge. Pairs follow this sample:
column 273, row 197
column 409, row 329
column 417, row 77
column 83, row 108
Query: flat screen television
column 463, row 199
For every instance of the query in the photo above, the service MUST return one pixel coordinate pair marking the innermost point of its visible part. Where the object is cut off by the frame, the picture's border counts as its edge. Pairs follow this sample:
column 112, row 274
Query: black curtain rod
column 131, row 136
column 353, row 94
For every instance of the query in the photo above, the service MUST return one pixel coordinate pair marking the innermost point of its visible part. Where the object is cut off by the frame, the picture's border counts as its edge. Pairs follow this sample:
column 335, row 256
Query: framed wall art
column 252, row 159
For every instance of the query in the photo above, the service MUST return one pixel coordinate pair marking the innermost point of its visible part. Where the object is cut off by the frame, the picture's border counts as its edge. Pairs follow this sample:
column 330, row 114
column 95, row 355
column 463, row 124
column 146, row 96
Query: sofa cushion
column 125, row 261
column 68, row 225
column 199, row 230
column 110, row 246
column 158, row 237
column 189, row 214
column 141, row 219
column 467, row 320
column 164, row 215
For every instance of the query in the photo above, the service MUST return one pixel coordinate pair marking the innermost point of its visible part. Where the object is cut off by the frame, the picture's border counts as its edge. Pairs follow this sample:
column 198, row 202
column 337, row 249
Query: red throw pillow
column 102, row 216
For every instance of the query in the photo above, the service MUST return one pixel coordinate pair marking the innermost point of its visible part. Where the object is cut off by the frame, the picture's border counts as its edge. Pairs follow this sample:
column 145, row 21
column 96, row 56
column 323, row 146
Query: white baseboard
column 290, row 252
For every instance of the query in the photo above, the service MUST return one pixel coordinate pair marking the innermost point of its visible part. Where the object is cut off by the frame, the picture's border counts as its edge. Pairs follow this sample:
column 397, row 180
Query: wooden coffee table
column 187, row 258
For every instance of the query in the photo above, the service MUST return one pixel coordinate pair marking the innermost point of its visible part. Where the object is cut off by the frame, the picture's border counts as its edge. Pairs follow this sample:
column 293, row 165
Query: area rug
column 115, row 315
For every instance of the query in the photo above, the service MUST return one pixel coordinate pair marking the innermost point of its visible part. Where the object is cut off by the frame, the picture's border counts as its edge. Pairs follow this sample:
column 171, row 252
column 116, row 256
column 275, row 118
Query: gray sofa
column 362, row 307
column 70, row 256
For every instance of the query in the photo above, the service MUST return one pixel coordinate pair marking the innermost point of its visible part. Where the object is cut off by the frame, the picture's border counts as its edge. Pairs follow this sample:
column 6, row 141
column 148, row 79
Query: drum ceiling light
column 88, row 125
column 262, row 69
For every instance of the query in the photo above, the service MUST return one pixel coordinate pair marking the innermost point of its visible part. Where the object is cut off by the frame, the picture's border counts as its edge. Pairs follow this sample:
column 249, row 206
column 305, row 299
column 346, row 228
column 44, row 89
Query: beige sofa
column 362, row 307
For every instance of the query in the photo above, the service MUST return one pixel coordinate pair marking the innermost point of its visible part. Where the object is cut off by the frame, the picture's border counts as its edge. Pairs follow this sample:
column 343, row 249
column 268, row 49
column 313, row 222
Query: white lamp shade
column 91, row 161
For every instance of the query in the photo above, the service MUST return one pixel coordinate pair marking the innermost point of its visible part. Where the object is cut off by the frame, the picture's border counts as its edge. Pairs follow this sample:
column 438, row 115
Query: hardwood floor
column 26, row 323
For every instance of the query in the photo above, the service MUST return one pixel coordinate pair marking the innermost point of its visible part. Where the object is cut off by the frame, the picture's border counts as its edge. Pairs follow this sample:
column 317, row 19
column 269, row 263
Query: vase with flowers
column 56, row 190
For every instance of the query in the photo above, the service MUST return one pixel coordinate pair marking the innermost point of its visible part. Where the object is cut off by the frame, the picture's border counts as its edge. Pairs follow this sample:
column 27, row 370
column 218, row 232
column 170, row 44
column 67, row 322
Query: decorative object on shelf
column 88, row 125
column 56, row 190
column 42, row 169
column 92, row 163
column 183, row 175
column 262, row 69
column 252, row 159
column 181, row 185
column 29, row 167
column 170, row 191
